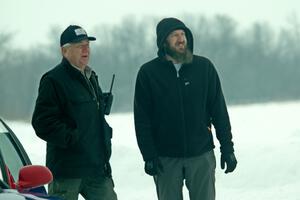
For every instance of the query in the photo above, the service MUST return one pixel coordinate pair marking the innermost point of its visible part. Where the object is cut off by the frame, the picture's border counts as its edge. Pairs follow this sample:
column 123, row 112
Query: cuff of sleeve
column 227, row 148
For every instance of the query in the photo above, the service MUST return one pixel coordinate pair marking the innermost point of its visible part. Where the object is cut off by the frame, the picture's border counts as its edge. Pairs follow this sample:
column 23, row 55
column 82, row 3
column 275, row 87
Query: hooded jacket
column 173, row 112
column 69, row 116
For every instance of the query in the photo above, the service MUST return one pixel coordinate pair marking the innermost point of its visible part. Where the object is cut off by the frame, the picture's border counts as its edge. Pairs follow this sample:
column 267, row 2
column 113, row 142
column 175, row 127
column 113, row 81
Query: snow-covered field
column 267, row 144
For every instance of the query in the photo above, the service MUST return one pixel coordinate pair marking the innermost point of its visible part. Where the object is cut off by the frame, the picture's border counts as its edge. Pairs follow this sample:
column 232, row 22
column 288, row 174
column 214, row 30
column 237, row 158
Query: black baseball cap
column 74, row 34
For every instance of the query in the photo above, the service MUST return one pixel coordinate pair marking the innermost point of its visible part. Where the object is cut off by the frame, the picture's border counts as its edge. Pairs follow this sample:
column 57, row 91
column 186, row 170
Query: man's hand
column 152, row 167
column 230, row 160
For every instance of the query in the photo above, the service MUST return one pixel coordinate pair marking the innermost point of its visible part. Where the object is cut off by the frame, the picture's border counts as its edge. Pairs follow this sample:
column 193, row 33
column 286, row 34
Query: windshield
column 10, row 152
column 2, row 128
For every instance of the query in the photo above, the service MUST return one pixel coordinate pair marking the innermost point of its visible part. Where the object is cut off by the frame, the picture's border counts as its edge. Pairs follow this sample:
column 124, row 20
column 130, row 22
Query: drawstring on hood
column 165, row 27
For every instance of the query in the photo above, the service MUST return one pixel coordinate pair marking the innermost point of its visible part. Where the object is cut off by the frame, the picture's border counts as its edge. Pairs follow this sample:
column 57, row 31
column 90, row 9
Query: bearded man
column 178, row 97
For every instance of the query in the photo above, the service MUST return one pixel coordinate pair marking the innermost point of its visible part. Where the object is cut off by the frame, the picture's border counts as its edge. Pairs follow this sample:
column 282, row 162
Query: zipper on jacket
column 182, row 113
column 93, row 89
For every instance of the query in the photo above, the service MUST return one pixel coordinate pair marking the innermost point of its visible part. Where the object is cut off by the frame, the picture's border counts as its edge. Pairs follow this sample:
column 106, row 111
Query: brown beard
column 181, row 57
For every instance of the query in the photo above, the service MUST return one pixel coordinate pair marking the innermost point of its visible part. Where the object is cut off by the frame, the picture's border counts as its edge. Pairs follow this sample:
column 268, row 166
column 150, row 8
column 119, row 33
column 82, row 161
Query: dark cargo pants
column 91, row 188
column 198, row 173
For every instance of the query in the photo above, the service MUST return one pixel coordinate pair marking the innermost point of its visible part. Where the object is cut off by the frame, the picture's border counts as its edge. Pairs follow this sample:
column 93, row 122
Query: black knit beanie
column 165, row 27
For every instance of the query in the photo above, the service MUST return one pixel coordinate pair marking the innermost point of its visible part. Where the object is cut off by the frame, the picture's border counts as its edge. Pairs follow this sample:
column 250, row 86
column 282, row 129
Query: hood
column 165, row 27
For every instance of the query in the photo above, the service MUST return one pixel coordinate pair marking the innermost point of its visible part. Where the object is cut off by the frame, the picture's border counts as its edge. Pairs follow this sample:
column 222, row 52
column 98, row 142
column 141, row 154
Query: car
column 16, row 165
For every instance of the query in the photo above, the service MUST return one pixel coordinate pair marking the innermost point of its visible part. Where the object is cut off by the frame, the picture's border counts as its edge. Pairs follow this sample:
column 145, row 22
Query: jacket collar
column 70, row 69
column 76, row 74
column 168, row 63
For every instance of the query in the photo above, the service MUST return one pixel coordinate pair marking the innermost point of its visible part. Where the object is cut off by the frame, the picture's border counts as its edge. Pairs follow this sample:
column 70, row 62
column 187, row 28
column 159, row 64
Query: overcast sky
column 30, row 20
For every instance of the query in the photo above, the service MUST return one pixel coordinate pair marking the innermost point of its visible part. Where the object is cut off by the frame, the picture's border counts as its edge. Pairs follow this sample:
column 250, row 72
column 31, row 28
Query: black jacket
column 69, row 116
column 173, row 113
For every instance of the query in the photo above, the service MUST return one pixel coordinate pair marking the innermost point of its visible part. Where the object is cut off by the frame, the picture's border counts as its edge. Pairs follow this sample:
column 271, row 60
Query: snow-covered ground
column 267, row 144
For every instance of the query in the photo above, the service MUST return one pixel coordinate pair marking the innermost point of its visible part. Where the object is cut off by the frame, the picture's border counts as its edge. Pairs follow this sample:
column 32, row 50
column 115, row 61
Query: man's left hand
column 230, row 160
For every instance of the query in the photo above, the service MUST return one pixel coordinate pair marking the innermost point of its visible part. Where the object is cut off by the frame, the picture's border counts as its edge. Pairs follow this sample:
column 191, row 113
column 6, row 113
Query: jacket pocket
column 80, row 99
column 83, row 111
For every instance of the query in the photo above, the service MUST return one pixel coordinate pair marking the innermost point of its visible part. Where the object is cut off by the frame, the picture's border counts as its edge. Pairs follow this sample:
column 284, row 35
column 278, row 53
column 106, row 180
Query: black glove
column 108, row 99
column 152, row 167
column 230, row 160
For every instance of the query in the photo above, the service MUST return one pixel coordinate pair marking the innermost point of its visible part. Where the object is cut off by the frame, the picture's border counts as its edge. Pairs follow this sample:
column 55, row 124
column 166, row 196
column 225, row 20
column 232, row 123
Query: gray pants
column 198, row 173
column 91, row 188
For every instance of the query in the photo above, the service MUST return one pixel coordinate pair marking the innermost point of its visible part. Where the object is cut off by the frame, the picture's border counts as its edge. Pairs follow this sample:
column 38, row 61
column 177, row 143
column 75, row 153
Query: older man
column 69, row 116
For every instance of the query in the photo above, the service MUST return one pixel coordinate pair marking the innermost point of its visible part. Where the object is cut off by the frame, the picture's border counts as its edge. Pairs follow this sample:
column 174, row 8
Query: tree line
column 255, row 64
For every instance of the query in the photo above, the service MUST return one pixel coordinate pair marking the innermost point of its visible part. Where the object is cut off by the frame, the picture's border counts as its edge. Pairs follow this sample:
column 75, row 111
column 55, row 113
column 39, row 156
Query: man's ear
column 63, row 51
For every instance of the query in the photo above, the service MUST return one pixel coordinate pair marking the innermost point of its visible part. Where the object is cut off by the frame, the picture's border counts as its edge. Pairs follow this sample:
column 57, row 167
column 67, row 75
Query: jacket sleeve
column 143, row 116
column 48, row 120
column 219, row 114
